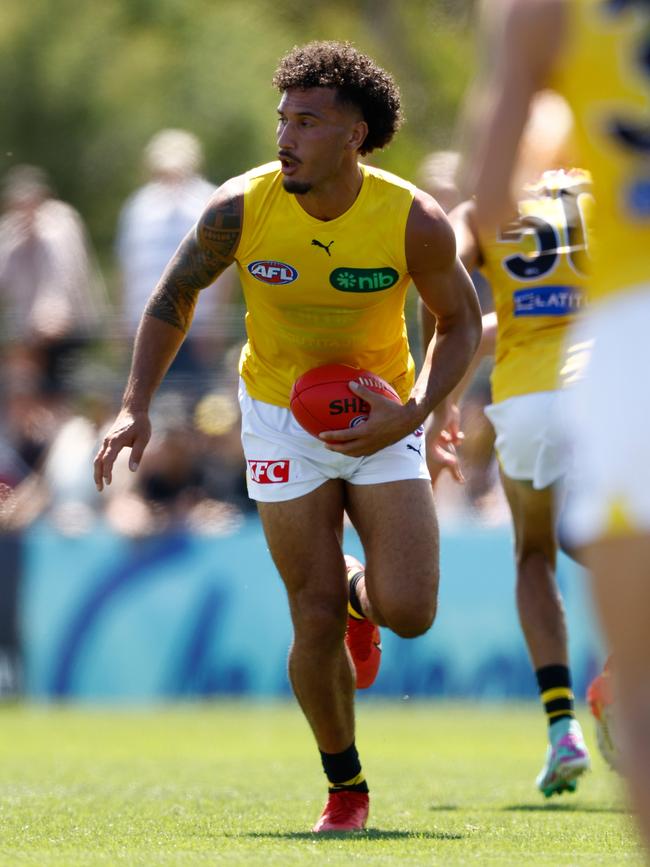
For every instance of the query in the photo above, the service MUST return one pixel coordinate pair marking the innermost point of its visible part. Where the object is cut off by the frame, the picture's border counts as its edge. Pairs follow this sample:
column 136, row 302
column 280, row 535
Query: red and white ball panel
column 321, row 399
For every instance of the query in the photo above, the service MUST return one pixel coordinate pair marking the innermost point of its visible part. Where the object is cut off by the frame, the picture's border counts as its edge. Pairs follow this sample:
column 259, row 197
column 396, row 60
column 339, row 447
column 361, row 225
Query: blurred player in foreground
column 597, row 53
column 307, row 233
column 536, row 266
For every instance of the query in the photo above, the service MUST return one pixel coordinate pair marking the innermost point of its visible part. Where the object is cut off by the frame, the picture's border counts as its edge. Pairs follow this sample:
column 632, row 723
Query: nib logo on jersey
column 547, row 301
column 271, row 272
column 363, row 279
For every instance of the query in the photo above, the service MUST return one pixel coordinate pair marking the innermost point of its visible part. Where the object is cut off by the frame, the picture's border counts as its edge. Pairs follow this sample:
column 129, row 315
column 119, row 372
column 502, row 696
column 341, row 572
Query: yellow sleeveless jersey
column 537, row 268
column 322, row 292
column 605, row 75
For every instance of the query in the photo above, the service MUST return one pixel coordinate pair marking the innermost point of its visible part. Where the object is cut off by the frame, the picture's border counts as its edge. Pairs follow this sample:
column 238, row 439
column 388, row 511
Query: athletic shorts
column 608, row 419
column 530, row 442
column 283, row 461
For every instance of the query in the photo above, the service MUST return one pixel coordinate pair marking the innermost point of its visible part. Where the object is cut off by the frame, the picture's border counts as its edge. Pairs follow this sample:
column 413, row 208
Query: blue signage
column 180, row 616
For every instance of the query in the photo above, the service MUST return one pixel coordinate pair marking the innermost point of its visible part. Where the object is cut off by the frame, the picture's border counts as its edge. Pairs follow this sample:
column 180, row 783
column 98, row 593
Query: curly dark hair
column 357, row 79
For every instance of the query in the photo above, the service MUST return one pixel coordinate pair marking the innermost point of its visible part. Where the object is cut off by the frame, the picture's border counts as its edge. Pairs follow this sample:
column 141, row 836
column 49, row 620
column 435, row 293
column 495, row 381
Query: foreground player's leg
column 397, row 524
column 362, row 636
column 620, row 569
column 541, row 614
column 304, row 539
column 399, row 589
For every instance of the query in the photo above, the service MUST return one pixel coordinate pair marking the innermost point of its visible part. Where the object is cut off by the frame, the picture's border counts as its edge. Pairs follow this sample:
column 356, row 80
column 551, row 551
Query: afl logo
column 275, row 273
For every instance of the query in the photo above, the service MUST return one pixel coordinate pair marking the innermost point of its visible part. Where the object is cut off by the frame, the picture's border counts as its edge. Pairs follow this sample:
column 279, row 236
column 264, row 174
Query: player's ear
column 358, row 135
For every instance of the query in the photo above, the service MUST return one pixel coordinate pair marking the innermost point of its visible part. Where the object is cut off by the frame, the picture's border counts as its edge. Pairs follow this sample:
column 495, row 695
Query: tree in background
column 86, row 85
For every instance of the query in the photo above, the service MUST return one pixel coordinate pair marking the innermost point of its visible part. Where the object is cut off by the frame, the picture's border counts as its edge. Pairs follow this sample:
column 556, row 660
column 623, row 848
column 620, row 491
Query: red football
column 321, row 400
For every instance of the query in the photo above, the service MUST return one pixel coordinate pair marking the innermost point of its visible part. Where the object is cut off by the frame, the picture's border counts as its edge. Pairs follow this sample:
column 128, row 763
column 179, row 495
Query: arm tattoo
column 204, row 253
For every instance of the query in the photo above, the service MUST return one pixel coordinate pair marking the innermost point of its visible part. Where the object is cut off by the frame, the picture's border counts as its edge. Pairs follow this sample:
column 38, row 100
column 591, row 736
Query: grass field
column 233, row 783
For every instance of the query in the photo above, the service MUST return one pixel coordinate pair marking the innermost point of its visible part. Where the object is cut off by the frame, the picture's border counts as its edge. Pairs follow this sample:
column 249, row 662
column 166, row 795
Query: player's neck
column 334, row 197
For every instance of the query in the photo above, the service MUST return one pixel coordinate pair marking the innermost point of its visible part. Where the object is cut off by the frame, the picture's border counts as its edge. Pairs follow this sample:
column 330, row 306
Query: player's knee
column 409, row 621
column 534, row 560
column 321, row 623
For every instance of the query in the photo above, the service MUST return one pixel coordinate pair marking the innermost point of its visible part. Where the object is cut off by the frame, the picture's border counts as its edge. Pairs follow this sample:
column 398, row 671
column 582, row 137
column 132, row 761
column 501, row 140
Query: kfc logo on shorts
column 269, row 472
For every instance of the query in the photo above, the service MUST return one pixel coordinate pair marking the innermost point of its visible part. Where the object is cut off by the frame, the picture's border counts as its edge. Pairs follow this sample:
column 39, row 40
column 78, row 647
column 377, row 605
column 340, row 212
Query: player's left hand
column 445, row 422
column 442, row 435
column 441, row 455
column 387, row 423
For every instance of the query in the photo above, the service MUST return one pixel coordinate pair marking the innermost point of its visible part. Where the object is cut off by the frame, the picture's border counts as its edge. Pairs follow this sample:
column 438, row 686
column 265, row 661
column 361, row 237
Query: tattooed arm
column 206, row 251
column 203, row 254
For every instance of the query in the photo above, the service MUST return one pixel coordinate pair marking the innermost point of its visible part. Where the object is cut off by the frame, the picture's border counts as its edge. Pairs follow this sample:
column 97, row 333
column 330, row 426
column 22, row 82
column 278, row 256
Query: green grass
column 232, row 783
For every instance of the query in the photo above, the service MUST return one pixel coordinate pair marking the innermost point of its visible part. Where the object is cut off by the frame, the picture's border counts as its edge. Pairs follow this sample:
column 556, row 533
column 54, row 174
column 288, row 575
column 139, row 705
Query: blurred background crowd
column 115, row 132
column 114, row 139
column 66, row 342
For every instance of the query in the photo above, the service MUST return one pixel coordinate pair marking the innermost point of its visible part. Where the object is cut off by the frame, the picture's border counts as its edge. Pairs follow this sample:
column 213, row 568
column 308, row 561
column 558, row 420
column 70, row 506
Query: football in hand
column 321, row 399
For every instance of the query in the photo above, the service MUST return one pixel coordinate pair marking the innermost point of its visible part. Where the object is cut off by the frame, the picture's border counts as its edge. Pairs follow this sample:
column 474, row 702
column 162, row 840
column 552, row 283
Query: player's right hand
column 130, row 429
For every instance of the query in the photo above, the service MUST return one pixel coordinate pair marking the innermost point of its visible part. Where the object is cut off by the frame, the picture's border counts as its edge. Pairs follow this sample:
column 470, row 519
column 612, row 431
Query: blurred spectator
column 437, row 176
column 46, row 445
column 151, row 225
column 193, row 474
column 52, row 297
column 28, row 424
column 29, row 421
column 217, row 422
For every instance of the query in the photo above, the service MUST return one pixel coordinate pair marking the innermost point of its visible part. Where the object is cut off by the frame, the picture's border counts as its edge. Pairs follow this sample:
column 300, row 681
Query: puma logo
column 414, row 448
column 316, row 243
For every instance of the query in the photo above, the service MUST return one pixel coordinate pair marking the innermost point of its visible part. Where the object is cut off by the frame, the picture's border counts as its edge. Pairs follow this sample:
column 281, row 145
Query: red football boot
column 362, row 637
column 599, row 693
column 603, row 709
column 344, row 811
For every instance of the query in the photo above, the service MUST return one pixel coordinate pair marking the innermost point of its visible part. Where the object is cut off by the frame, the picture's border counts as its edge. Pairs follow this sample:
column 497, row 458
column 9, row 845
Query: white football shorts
column 530, row 442
column 283, row 461
column 608, row 420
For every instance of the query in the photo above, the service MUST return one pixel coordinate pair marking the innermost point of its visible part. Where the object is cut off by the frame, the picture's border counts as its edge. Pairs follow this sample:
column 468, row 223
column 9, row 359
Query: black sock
column 343, row 770
column 555, row 690
column 353, row 597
